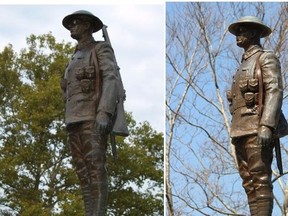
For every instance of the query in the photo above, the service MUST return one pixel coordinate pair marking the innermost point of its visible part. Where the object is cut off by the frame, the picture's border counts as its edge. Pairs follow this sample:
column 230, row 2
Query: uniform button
column 234, row 81
column 234, row 95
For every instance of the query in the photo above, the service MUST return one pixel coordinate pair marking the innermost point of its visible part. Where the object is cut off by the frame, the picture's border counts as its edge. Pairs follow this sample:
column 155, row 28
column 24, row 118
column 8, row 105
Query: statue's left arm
column 108, row 98
column 273, row 90
column 273, row 95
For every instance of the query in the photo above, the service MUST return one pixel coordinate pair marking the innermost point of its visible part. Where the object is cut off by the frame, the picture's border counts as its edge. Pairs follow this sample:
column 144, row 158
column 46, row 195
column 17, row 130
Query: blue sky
column 190, row 143
column 136, row 32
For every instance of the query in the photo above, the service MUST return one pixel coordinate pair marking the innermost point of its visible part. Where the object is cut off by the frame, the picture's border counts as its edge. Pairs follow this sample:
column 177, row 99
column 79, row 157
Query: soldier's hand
column 102, row 121
column 264, row 135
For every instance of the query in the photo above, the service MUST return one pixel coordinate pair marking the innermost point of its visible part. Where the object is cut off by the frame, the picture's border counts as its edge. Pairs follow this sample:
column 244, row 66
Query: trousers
column 88, row 149
column 254, row 164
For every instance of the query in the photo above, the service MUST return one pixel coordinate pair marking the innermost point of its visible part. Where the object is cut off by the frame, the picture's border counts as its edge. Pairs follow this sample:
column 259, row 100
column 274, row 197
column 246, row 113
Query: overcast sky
column 136, row 32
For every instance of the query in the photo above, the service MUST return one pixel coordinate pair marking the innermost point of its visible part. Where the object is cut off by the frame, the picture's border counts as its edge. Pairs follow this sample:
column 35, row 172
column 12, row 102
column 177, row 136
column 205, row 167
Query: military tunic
column 79, row 88
column 246, row 118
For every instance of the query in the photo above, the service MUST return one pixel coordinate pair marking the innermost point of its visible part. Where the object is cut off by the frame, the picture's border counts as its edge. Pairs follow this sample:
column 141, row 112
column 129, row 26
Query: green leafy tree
column 36, row 176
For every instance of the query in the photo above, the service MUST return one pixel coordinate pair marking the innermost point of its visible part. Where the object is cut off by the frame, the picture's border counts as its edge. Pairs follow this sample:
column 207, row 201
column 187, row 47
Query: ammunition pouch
column 90, row 72
column 250, row 88
column 80, row 73
column 251, row 99
column 87, row 72
column 87, row 85
column 86, row 76
column 253, row 85
column 250, row 85
column 243, row 85
column 229, row 96
column 249, row 111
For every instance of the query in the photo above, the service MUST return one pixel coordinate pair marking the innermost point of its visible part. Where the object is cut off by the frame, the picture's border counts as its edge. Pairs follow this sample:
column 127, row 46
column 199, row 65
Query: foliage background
column 36, row 177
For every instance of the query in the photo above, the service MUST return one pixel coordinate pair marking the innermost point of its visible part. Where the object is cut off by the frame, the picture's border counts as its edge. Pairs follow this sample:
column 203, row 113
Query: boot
column 82, row 173
column 96, row 166
column 265, row 206
column 87, row 199
column 251, row 196
column 99, row 194
column 253, row 207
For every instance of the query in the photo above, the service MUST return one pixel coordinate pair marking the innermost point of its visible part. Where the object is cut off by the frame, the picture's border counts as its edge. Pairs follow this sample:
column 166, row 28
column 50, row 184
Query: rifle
column 120, row 125
column 260, row 104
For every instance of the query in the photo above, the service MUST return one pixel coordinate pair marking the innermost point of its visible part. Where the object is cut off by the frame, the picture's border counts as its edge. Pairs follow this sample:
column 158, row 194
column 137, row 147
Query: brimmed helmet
column 264, row 30
column 97, row 23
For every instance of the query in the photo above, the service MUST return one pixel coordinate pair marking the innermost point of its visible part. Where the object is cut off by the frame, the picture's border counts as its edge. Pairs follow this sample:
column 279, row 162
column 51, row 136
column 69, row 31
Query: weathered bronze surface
column 255, row 101
column 90, row 93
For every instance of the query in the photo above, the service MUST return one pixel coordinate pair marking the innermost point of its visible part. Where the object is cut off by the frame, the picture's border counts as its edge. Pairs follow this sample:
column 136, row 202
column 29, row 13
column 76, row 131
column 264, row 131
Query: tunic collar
column 85, row 43
column 251, row 51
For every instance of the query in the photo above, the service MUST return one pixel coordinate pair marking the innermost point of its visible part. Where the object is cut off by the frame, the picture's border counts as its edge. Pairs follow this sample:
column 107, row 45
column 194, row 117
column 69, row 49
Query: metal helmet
column 264, row 30
column 97, row 23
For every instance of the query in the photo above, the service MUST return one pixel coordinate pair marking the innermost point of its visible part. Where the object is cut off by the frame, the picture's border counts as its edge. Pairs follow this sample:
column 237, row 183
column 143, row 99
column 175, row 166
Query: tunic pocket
column 243, row 85
column 253, row 85
column 86, row 85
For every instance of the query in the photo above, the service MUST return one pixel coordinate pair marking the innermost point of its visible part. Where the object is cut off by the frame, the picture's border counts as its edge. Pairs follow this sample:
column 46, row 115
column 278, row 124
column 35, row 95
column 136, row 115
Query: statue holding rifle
column 257, row 120
column 93, row 95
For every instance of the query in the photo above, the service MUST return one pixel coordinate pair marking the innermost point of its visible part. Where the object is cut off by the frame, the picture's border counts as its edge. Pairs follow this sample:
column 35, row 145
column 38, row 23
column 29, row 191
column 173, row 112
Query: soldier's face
column 244, row 36
column 77, row 28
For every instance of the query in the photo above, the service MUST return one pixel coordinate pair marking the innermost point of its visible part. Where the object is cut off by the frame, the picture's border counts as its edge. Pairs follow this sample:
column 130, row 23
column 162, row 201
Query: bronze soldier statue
column 90, row 90
column 255, row 104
